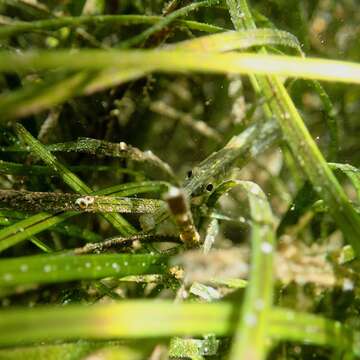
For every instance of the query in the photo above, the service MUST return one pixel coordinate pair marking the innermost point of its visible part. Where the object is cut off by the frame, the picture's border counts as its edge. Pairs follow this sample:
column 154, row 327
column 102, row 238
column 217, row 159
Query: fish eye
column 189, row 174
column 209, row 187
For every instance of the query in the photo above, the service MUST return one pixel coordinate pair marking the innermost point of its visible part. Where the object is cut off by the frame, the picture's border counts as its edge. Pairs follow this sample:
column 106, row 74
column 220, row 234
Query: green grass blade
column 41, row 245
column 53, row 202
column 288, row 325
column 68, row 267
column 232, row 40
column 351, row 172
column 120, row 150
column 178, row 61
column 250, row 340
column 71, row 230
column 142, row 318
column 23, row 229
column 130, row 65
column 127, row 319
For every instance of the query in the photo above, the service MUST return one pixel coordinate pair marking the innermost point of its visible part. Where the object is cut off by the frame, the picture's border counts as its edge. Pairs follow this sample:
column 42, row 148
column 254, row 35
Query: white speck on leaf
column 47, row 268
column 24, row 268
column 266, row 247
column 8, row 277
column 250, row 319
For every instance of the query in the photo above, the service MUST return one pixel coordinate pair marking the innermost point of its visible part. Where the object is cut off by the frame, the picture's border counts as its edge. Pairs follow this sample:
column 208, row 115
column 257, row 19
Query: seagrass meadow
column 179, row 179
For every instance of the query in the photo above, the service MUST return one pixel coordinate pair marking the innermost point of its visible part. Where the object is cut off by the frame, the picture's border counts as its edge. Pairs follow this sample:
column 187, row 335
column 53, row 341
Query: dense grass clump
column 179, row 179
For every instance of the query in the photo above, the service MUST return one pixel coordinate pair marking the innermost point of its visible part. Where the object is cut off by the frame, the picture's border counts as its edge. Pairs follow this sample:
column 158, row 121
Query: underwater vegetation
column 179, row 179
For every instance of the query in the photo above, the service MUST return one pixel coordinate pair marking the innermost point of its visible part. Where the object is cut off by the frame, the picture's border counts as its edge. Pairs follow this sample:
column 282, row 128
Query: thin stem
column 138, row 39
column 57, row 23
